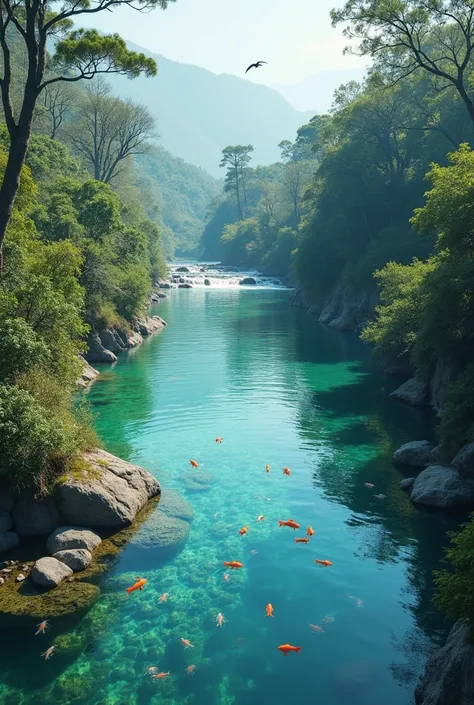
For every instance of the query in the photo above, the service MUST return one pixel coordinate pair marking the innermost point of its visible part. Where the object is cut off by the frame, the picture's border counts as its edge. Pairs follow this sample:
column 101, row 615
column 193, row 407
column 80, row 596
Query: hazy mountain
column 315, row 92
column 199, row 113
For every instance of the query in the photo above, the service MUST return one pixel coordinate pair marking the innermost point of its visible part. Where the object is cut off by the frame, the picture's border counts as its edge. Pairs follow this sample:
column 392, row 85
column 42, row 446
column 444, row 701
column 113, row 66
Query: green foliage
column 20, row 349
column 457, row 423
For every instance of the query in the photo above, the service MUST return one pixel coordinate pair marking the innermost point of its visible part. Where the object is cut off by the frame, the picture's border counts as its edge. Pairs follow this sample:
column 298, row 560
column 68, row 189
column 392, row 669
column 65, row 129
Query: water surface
column 281, row 390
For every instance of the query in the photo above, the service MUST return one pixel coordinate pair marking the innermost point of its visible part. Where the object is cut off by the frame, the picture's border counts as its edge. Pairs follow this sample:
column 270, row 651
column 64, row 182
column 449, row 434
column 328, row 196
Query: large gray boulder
column 442, row 487
column 161, row 532
column 49, row 572
column 464, row 461
column 449, row 673
column 71, row 537
column 415, row 391
column 174, row 505
column 75, row 558
column 32, row 517
column 97, row 352
column 5, row 521
column 418, row 454
column 149, row 325
column 8, row 540
column 89, row 374
column 111, row 340
column 248, row 281
column 111, row 496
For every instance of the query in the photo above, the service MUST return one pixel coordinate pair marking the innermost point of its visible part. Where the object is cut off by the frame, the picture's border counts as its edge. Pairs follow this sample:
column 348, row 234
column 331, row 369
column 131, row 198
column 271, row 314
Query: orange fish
column 233, row 564
column 325, row 563
column 286, row 648
column 138, row 585
column 220, row 619
column 269, row 610
column 194, row 464
column 267, row 468
column 48, row 653
column 190, row 669
column 41, row 627
column 219, row 440
column 159, row 676
column 286, row 471
column 315, row 628
column 261, row 517
column 292, row 524
column 187, row 644
column 309, row 531
column 305, row 540
column 243, row 530
column 164, row 597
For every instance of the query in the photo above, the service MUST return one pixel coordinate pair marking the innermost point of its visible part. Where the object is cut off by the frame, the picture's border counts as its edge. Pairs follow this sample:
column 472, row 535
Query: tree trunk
column 11, row 180
column 467, row 101
column 239, row 205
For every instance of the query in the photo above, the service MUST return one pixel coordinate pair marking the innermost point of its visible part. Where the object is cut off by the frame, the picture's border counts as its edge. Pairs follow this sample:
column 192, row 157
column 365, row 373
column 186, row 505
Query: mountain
column 315, row 92
column 199, row 113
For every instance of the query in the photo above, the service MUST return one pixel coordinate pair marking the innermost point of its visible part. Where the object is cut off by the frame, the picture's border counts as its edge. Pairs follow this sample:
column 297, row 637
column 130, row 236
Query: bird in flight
column 256, row 65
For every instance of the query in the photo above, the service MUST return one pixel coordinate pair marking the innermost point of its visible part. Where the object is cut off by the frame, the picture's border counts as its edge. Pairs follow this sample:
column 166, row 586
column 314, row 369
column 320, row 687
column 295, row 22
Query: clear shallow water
column 282, row 390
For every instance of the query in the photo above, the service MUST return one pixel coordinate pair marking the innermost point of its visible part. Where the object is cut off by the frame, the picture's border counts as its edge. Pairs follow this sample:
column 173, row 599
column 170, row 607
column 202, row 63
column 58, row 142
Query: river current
column 281, row 390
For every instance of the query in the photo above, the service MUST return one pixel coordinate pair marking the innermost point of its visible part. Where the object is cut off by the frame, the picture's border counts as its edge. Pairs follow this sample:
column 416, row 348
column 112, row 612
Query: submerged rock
column 49, row 572
column 8, row 540
column 71, row 537
column 161, row 531
column 418, row 454
column 5, row 521
column 415, row 391
column 449, row 673
column 75, row 558
column 111, row 496
column 464, row 461
column 174, row 505
column 407, row 483
column 199, row 481
column 32, row 517
column 248, row 281
column 443, row 487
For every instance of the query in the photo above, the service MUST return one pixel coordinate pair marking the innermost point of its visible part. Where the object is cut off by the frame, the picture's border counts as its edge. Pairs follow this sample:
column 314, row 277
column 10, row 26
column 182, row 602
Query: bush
column 20, row 349
column 457, row 423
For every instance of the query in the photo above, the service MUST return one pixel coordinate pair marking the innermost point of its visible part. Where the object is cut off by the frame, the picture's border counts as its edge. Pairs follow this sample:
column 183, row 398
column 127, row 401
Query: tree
column 296, row 178
column 436, row 36
column 108, row 130
column 286, row 148
column 236, row 159
column 56, row 100
column 79, row 54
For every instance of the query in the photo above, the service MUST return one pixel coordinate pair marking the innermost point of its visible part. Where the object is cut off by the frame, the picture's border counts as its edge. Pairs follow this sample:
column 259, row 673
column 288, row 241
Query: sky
column 296, row 38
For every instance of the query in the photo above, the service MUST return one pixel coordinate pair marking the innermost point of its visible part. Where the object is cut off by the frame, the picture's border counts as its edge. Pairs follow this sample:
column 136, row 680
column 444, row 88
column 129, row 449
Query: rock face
column 97, row 352
column 111, row 499
column 173, row 505
column 442, row 487
column 75, row 558
column 247, row 281
column 449, row 674
column 348, row 309
column 5, row 521
column 32, row 517
column 70, row 538
column 444, row 373
column 89, row 374
column 414, row 391
column 464, row 461
column 418, row 454
column 161, row 532
column 8, row 539
column 105, row 346
column 49, row 572
column 150, row 325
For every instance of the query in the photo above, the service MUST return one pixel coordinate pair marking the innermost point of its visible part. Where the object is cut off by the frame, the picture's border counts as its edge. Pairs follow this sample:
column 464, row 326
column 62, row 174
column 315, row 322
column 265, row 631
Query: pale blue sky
column 224, row 36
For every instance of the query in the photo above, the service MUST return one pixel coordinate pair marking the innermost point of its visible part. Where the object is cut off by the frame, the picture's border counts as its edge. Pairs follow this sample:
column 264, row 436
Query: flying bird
column 256, row 65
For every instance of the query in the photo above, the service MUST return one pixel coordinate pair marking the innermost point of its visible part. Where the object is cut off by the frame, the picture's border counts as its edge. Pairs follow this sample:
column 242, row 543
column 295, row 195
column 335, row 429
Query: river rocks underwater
column 241, row 364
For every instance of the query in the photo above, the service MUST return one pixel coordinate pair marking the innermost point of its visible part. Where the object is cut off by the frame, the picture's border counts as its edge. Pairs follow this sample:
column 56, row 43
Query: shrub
column 20, row 349
column 457, row 423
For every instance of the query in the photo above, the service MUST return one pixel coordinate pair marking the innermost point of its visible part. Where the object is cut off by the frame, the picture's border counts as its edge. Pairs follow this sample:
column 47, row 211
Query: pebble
column 20, row 577
column 6, row 570
column 2, row 580
column 25, row 567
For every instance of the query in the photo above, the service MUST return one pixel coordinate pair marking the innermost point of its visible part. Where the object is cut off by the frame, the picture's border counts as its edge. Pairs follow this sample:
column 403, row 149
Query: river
column 281, row 390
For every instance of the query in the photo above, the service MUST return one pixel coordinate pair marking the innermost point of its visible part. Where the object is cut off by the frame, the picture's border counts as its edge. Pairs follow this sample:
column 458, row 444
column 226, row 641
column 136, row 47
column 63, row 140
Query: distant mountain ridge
column 316, row 91
column 199, row 113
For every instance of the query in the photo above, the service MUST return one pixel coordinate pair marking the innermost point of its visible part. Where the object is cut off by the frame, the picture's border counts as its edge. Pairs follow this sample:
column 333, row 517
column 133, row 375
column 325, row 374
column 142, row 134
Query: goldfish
column 269, row 610
column 260, row 518
column 190, row 669
column 41, row 627
column 304, row 540
column 194, row 464
column 48, row 653
column 380, row 496
column 267, row 468
column 292, row 524
column 187, row 644
column 325, row 563
column 226, row 577
column 219, row 440
column 243, row 530
column 286, row 648
column 233, row 564
column 369, row 485
column 220, row 619
column 164, row 597
column 286, row 471
column 315, row 628
column 309, row 531
column 159, row 676
column 138, row 585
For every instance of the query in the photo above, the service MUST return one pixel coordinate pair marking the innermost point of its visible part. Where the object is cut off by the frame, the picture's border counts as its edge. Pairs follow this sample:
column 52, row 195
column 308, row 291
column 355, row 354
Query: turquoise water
column 280, row 390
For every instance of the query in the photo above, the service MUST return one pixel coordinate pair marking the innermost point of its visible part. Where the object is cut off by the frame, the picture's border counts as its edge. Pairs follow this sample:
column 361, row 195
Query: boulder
column 182, row 269
column 75, row 558
column 111, row 497
column 148, row 326
column 445, row 372
column 33, row 517
column 174, row 505
column 407, row 483
column 199, row 481
column 70, row 538
column 185, row 285
column 247, row 281
column 89, row 374
column 207, row 282
column 442, row 487
column 418, row 454
column 449, row 673
column 414, row 391
column 49, row 572
column 5, row 521
column 111, row 340
column 8, row 540
column 161, row 532
column 97, row 352
column 164, row 285
column 464, row 461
